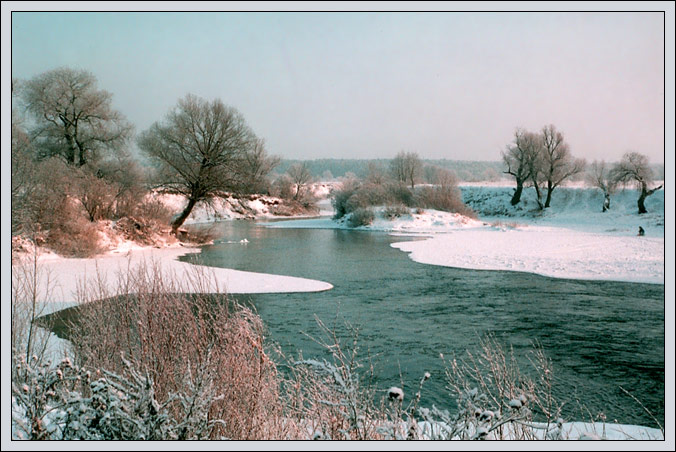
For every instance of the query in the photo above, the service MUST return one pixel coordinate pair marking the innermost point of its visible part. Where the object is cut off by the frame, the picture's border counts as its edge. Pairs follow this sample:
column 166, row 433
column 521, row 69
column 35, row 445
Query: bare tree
column 375, row 173
column 256, row 166
column 519, row 159
column 300, row 176
column 635, row 169
column 198, row 148
column 557, row 162
column 599, row 176
column 406, row 167
column 73, row 118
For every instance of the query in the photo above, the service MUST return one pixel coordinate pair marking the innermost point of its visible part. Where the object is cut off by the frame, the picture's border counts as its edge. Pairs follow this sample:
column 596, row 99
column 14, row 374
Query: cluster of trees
column 543, row 160
column 69, row 144
column 634, row 169
column 394, row 186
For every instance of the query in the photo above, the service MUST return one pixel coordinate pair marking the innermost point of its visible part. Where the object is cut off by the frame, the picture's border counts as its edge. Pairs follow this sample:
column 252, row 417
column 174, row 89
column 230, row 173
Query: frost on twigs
column 64, row 402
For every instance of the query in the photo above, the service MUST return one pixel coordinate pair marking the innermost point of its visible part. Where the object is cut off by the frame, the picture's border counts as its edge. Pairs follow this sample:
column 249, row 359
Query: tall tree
column 557, row 162
column 519, row 158
column 199, row 148
column 634, row 169
column 406, row 167
column 72, row 117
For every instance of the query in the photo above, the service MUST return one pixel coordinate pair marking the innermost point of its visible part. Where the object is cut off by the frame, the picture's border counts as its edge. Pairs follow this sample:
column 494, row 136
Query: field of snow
column 572, row 239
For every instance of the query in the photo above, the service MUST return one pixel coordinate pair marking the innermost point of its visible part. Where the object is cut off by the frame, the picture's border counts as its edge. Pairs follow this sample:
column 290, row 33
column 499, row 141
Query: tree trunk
column 70, row 157
column 641, row 200
column 644, row 194
column 550, row 189
column 178, row 222
column 516, row 198
column 538, row 194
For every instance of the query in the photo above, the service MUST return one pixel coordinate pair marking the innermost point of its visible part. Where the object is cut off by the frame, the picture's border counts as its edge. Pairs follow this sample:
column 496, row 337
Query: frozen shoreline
column 552, row 252
column 65, row 276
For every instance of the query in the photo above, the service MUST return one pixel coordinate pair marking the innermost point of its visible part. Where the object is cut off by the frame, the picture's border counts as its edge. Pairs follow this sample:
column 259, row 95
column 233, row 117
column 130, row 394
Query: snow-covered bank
column 255, row 206
column 64, row 277
column 554, row 252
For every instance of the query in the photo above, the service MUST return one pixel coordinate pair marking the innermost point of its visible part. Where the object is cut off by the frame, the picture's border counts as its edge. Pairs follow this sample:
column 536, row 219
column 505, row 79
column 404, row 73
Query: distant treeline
column 327, row 169
column 467, row 171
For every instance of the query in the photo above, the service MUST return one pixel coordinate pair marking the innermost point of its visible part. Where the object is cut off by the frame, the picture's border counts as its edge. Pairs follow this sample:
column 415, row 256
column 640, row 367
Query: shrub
column 445, row 198
column 96, row 195
column 393, row 211
column 354, row 195
column 400, row 193
column 341, row 196
column 361, row 217
column 74, row 236
column 283, row 187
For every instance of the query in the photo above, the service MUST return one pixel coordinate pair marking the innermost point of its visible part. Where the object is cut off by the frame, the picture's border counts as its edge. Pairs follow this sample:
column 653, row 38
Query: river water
column 599, row 335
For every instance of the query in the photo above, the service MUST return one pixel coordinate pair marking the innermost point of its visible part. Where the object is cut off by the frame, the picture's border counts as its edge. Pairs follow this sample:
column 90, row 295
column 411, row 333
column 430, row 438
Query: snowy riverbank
column 61, row 278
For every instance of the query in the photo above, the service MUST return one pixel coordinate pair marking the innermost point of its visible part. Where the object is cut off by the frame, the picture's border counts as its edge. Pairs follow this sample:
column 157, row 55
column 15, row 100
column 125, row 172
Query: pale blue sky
column 356, row 85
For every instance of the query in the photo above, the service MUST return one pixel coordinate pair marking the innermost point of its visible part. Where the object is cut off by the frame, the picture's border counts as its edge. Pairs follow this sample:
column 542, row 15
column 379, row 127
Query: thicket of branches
column 390, row 189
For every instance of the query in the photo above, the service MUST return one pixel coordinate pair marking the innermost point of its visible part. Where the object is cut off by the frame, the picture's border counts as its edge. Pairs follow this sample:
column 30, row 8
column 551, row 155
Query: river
column 600, row 335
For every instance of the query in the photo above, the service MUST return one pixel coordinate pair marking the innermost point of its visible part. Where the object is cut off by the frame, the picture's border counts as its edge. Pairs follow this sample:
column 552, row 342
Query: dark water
column 600, row 335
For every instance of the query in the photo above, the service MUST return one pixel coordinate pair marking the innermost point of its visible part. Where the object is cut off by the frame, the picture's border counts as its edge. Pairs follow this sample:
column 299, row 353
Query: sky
column 368, row 85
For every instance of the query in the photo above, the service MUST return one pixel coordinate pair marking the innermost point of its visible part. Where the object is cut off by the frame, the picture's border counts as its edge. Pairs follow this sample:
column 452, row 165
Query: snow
column 219, row 209
column 569, row 431
column 555, row 252
column 65, row 276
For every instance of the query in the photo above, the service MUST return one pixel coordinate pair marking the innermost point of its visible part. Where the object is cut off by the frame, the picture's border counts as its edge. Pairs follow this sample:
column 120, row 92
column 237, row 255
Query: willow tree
column 635, row 169
column 199, row 150
column 519, row 158
column 557, row 163
column 73, row 118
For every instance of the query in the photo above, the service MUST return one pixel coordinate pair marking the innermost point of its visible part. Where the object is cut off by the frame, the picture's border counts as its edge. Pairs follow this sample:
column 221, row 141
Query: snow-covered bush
column 67, row 402
column 334, row 399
